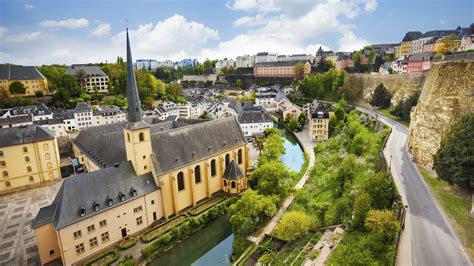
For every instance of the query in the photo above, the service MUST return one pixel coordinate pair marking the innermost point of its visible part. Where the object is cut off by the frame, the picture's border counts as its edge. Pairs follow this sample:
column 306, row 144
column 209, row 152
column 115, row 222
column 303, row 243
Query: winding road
column 428, row 238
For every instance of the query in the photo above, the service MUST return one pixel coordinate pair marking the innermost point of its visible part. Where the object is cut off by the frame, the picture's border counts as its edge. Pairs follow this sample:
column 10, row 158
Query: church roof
column 177, row 147
column 85, row 190
column 173, row 142
column 233, row 171
column 24, row 134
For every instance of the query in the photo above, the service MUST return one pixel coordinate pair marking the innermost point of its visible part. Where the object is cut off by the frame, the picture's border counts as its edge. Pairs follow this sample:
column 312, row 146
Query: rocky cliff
column 447, row 94
column 401, row 86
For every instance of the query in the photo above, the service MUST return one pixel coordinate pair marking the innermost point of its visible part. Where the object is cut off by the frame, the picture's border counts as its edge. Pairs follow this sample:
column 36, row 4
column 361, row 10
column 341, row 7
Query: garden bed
column 163, row 228
column 104, row 258
column 128, row 243
column 206, row 205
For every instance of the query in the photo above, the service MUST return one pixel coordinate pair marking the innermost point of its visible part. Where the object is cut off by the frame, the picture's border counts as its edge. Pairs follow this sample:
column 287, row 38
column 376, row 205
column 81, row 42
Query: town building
column 419, row 63
column 29, row 76
column 148, row 64
column 467, row 43
column 166, row 109
column 282, row 69
column 145, row 172
column 167, row 63
column 265, row 57
column 224, row 63
column 28, row 156
column 428, row 47
column 199, row 80
column 265, row 95
column 16, row 121
column 407, row 42
column 55, row 125
column 103, row 115
column 187, row 62
column 417, row 44
column 91, row 78
column 293, row 111
column 253, row 120
column 319, row 124
column 296, row 57
column 245, row 61
column 443, row 46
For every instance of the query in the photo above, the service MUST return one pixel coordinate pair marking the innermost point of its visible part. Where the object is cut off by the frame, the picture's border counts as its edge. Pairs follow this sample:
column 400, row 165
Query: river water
column 213, row 244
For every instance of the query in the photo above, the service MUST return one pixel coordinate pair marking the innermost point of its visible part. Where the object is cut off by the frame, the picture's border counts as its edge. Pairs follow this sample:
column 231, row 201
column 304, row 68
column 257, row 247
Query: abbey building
column 138, row 172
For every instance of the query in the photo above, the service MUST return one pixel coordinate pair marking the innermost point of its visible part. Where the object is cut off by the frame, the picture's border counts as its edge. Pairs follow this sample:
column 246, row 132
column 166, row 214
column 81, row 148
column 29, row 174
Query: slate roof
column 85, row 189
column 15, row 120
column 320, row 112
column 83, row 107
column 411, row 35
column 105, row 145
column 54, row 121
column 437, row 33
column 24, row 134
column 254, row 115
column 233, row 171
column 90, row 71
column 11, row 72
column 64, row 114
column 177, row 147
column 41, row 109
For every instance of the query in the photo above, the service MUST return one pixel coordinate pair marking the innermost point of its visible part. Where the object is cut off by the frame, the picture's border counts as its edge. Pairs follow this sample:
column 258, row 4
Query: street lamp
column 390, row 166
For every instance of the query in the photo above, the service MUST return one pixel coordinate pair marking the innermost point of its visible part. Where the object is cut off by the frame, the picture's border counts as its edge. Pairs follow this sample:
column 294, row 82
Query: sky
column 36, row 32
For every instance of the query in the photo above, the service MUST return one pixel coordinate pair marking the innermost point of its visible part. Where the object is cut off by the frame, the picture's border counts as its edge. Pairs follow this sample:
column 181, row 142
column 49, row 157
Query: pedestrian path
column 308, row 147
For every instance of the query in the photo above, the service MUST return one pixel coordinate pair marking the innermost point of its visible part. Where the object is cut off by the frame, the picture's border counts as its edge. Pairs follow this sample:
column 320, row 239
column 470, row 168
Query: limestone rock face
column 447, row 95
column 400, row 86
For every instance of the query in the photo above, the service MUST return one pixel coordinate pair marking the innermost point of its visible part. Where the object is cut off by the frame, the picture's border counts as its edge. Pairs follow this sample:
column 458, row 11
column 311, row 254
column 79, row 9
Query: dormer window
column 121, row 196
column 133, row 192
column 82, row 211
column 96, row 206
column 109, row 201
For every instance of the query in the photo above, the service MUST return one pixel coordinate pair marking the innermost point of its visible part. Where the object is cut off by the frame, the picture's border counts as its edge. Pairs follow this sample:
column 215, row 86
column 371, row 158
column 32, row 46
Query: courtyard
column 17, row 239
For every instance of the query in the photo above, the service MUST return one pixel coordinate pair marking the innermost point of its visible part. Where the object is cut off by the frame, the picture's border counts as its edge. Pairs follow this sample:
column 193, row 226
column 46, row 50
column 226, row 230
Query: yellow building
column 28, row 156
column 406, row 46
column 319, row 124
column 447, row 44
column 139, row 173
column 29, row 76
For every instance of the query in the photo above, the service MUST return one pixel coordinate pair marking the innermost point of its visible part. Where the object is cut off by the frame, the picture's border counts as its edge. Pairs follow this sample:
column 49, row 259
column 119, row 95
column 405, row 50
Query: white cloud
column 443, row 21
column 350, row 42
column 61, row 53
column 28, row 6
column 293, row 30
column 27, row 37
column 253, row 5
column 3, row 32
column 172, row 38
column 103, row 29
column 67, row 23
column 370, row 5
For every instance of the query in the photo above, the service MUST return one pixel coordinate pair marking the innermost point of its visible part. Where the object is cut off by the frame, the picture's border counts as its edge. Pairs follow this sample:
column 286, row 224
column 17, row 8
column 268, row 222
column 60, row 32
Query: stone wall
column 401, row 86
column 447, row 94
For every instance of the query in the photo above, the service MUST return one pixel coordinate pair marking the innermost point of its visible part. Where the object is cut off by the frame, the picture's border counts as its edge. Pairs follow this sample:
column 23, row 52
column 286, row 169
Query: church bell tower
column 136, row 133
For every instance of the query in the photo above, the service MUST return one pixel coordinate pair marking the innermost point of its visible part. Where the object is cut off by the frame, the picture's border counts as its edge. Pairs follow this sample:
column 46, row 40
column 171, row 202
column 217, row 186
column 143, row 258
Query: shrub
column 39, row 94
column 292, row 225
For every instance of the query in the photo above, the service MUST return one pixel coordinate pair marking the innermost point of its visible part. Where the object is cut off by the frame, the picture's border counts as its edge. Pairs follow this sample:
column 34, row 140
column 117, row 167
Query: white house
column 265, row 57
column 245, row 61
column 94, row 77
column 254, row 120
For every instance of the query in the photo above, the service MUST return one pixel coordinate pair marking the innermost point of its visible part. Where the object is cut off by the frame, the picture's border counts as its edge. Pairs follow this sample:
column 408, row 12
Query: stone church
column 138, row 173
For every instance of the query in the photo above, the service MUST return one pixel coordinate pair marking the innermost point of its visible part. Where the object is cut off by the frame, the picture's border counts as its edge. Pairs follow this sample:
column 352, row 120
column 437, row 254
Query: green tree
column 381, row 97
column 362, row 205
column 16, row 87
column 302, row 119
column 382, row 190
column 454, row 160
column 403, row 108
column 239, row 84
column 382, row 222
column 204, row 115
column 249, row 211
column 293, row 124
column 293, row 225
column 173, row 88
column 271, row 178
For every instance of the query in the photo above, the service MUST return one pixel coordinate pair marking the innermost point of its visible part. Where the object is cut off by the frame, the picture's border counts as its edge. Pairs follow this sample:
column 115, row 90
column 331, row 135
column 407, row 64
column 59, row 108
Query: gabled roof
column 54, row 121
column 41, row 109
column 93, row 71
column 95, row 187
column 233, row 171
column 177, row 147
column 82, row 107
column 24, row 134
column 15, row 120
column 12, row 72
column 254, row 114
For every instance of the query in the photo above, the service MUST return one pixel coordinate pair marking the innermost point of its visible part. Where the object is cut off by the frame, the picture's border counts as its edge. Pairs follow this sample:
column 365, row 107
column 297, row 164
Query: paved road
column 428, row 236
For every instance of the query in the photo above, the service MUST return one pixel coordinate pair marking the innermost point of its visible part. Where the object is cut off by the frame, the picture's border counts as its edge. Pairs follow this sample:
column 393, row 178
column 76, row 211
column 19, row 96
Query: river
column 213, row 244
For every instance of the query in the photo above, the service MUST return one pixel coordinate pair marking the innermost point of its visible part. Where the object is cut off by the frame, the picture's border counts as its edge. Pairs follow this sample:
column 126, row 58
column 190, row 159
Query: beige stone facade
column 319, row 128
column 29, row 164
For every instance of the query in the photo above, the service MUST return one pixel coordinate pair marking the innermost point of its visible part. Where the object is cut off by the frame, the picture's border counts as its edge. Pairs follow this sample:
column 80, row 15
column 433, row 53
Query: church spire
column 134, row 109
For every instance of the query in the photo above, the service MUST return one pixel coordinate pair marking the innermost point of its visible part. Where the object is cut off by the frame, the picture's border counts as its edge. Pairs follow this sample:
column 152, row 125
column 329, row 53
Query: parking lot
column 17, row 239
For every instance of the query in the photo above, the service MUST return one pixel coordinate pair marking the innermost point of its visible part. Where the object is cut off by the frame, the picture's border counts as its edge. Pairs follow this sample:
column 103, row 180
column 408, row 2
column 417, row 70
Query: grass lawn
column 386, row 112
column 457, row 205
